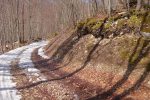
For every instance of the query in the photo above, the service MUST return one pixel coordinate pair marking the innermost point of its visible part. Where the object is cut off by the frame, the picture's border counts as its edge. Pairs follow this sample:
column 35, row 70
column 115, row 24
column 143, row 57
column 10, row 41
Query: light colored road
column 7, row 86
column 27, row 64
column 8, row 89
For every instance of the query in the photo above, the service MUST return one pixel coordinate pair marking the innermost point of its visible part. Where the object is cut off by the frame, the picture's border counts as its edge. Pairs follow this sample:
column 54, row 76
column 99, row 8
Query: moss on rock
column 115, row 25
column 134, row 21
column 126, row 50
column 146, row 27
column 97, row 25
column 121, row 23
column 89, row 26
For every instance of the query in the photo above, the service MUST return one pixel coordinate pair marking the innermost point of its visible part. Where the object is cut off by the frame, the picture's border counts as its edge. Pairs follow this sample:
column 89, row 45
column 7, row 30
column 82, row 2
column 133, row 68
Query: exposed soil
column 71, row 79
column 54, row 71
column 97, row 61
column 110, row 72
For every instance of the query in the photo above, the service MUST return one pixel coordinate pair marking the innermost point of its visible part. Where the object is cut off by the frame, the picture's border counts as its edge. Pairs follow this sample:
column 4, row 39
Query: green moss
column 91, row 22
column 121, row 22
column 126, row 45
column 80, row 24
column 108, row 25
column 97, row 25
column 114, row 18
column 146, row 27
column 134, row 21
column 137, row 52
column 111, row 19
column 124, row 54
column 137, row 13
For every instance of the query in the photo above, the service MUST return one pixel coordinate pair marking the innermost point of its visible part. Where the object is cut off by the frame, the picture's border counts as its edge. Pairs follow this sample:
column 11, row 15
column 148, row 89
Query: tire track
column 24, row 73
column 8, row 89
column 58, row 90
column 22, row 80
column 82, row 88
column 28, row 74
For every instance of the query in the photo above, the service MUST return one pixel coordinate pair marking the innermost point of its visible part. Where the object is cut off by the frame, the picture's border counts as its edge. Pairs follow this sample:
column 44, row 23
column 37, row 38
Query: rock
column 111, row 36
column 121, row 13
column 104, row 42
column 126, row 18
column 75, row 38
column 85, row 51
column 121, row 33
column 145, row 34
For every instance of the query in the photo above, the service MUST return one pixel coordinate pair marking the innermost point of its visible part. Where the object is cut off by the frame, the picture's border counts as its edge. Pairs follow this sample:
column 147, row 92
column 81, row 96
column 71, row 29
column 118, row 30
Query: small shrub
column 97, row 26
column 88, row 26
column 80, row 24
column 134, row 21
column 107, row 25
column 91, row 21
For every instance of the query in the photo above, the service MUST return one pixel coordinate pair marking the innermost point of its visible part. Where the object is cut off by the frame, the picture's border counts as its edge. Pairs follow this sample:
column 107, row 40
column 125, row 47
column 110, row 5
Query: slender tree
column 139, row 4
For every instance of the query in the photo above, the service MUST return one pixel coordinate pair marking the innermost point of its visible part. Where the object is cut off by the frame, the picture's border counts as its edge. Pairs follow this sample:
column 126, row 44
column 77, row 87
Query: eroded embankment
column 119, row 65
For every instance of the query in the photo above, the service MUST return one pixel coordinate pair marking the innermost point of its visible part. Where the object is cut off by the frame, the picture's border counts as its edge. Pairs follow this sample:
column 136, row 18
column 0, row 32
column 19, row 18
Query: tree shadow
column 65, row 47
column 7, row 88
column 140, row 51
column 48, row 64
column 136, row 85
column 64, row 76
column 68, row 44
column 52, row 42
column 60, row 53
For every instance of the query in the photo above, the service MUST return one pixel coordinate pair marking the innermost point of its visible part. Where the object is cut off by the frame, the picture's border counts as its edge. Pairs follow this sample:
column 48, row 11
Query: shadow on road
column 140, row 51
column 60, row 54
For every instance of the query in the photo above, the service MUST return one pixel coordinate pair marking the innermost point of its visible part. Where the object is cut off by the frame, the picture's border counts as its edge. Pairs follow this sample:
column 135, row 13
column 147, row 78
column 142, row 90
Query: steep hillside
column 110, row 53
column 100, row 59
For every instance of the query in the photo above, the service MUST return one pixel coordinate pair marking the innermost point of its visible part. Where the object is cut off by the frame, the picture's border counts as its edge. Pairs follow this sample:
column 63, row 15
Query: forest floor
column 27, row 73
column 81, row 64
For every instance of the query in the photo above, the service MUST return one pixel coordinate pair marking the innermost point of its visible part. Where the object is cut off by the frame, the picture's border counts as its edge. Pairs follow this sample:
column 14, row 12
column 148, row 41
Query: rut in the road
column 81, row 87
column 8, row 89
column 22, row 80
column 25, row 74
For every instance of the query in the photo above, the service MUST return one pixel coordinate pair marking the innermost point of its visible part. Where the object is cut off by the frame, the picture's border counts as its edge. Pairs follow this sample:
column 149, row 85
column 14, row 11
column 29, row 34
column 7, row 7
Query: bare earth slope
column 117, row 68
column 100, row 60
column 91, row 68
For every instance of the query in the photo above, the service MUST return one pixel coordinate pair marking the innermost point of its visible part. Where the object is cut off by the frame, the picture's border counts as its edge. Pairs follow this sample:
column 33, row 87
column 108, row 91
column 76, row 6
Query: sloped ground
column 109, row 63
column 108, row 67
column 100, row 77
column 8, row 89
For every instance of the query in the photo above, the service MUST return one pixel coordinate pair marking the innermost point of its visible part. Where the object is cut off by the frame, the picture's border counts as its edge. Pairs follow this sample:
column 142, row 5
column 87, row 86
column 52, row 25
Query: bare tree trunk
column 109, row 8
column 139, row 4
column 23, row 26
column 18, row 23
column 95, row 6
column 128, row 5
